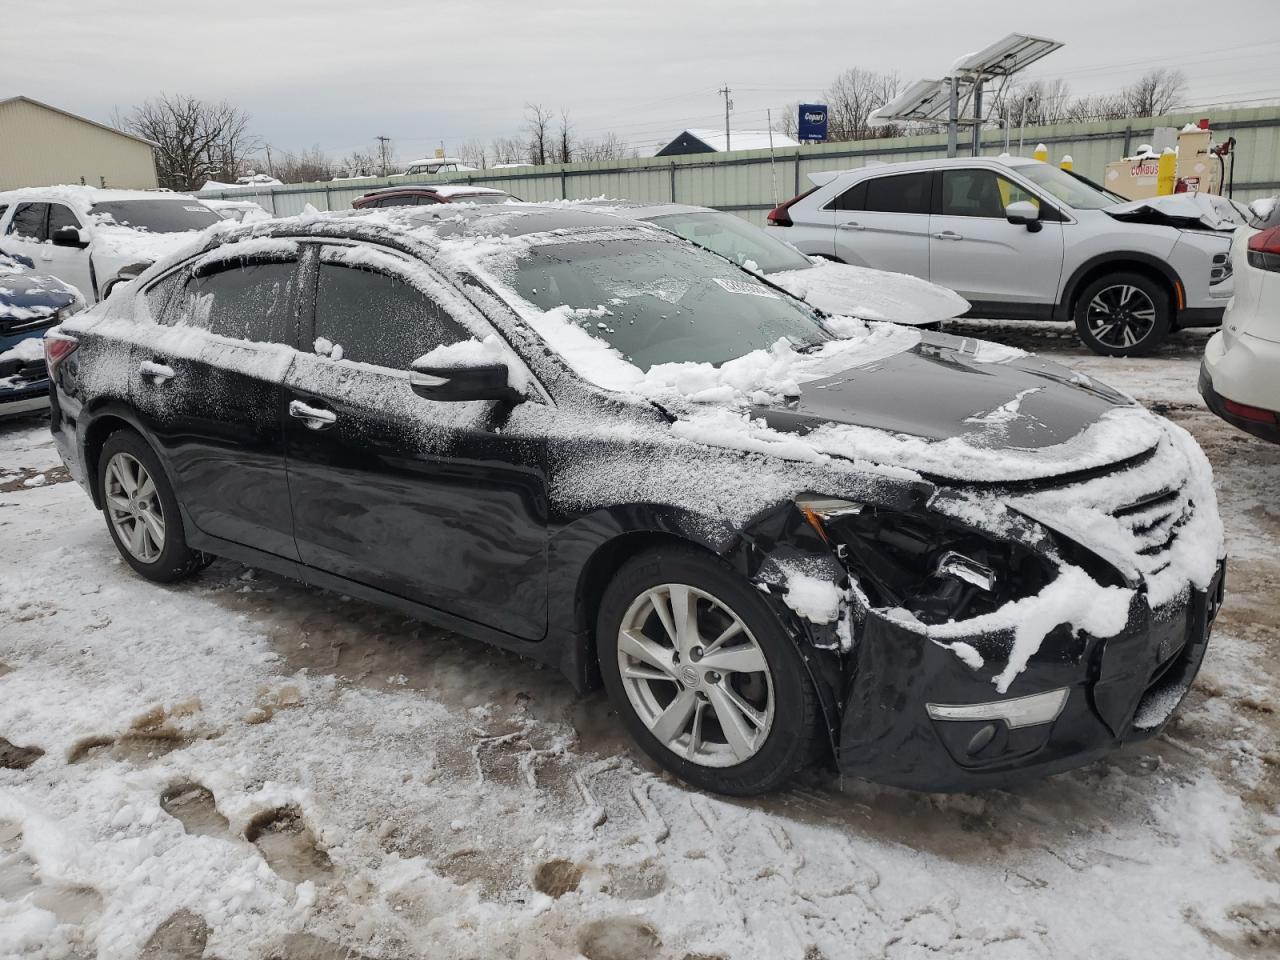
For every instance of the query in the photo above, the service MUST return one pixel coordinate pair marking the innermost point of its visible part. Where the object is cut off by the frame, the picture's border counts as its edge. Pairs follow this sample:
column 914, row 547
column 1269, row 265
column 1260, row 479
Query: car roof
column 641, row 210
column 823, row 177
column 438, row 189
column 83, row 197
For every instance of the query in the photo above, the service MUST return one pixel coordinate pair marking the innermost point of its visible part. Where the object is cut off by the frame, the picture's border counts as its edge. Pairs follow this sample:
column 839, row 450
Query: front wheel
column 703, row 674
column 142, row 511
column 1123, row 315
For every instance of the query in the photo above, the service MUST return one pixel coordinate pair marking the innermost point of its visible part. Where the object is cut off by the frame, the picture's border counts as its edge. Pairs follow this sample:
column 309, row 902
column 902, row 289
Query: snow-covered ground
column 242, row 767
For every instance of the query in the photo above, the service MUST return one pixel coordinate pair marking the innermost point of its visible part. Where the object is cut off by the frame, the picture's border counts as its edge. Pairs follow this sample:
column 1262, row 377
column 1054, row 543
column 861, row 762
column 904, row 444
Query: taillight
column 57, row 347
column 1246, row 412
column 1264, row 250
column 778, row 216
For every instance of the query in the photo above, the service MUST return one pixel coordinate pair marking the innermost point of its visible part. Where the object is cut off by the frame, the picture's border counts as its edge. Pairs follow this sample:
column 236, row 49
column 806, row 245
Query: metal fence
column 751, row 182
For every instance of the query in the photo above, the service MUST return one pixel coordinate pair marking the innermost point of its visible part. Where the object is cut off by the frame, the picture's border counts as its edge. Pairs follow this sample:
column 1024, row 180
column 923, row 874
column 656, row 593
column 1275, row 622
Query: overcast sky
column 339, row 72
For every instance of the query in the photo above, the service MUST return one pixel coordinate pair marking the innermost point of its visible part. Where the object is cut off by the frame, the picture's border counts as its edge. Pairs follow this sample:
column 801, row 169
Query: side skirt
column 547, row 652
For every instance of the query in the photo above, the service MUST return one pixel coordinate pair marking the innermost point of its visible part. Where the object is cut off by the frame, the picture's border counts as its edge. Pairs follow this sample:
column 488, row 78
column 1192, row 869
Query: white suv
column 1023, row 239
column 93, row 239
column 1240, row 373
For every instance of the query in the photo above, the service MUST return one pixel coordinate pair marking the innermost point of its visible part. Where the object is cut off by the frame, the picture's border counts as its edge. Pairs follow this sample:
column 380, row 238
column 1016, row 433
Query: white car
column 835, row 288
column 432, row 165
column 1023, row 239
column 1240, row 373
column 241, row 211
column 94, row 239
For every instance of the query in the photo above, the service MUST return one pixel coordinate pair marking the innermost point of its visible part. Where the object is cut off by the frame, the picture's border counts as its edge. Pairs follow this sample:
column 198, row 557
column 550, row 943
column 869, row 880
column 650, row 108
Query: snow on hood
column 1181, row 210
column 138, row 246
column 846, row 290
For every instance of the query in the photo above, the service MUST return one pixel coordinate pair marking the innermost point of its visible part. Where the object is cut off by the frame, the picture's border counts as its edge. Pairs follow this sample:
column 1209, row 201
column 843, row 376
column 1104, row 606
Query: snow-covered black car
column 770, row 534
column 30, row 304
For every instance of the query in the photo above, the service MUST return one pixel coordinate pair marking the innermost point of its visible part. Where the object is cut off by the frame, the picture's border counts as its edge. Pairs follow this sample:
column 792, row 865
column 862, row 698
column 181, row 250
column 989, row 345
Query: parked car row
column 773, row 535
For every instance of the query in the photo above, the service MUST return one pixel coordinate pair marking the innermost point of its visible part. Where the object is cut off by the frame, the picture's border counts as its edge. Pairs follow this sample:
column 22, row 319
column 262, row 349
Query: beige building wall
column 41, row 146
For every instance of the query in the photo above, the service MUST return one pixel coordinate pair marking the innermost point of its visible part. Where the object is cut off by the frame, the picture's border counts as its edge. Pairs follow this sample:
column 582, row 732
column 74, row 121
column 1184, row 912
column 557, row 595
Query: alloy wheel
column 133, row 507
column 695, row 675
column 1121, row 316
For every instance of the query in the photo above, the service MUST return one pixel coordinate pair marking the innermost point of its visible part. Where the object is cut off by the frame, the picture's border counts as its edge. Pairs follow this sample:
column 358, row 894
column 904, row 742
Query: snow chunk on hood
column 846, row 290
column 1181, row 210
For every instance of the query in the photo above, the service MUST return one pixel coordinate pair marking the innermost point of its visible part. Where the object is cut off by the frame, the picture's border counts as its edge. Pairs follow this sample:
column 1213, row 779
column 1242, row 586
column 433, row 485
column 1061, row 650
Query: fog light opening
column 981, row 740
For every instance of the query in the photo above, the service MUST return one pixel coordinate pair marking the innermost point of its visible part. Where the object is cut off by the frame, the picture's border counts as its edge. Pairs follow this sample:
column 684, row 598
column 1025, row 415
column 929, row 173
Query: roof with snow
column 708, row 140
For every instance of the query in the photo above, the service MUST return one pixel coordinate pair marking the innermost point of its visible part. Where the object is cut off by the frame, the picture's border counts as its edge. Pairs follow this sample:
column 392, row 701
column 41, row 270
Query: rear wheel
column 703, row 675
column 142, row 511
column 1123, row 315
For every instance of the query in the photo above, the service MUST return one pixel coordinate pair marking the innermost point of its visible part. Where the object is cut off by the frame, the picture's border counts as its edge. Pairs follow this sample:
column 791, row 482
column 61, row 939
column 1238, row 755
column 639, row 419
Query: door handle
column 157, row 372
column 948, row 235
column 851, row 226
column 315, row 418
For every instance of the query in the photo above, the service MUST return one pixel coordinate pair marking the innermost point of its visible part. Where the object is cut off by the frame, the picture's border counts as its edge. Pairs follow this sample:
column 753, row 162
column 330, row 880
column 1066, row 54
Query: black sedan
column 30, row 304
column 774, row 536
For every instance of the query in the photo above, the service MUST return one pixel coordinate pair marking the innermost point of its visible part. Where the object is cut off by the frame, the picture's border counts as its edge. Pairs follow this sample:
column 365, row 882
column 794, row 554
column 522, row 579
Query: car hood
column 1184, row 211
column 845, row 290
column 966, row 410
column 27, row 296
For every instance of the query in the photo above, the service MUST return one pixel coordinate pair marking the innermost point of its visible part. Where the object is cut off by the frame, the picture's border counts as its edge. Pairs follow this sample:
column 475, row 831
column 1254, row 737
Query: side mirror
column 69, row 237
column 455, row 384
column 1024, row 212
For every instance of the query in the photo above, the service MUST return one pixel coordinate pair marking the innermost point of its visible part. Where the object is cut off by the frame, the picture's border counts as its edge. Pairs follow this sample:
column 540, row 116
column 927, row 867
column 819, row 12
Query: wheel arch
column 1120, row 262
column 102, row 423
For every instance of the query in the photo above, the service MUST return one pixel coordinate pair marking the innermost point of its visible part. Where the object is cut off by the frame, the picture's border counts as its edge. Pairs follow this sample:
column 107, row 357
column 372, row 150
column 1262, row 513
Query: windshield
column 658, row 301
column 1074, row 191
column 168, row 215
column 734, row 238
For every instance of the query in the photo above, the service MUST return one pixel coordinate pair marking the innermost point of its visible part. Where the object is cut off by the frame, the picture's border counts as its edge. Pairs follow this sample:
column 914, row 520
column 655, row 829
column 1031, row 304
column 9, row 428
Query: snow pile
column 815, row 598
column 476, row 353
column 846, row 290
column 26, row 351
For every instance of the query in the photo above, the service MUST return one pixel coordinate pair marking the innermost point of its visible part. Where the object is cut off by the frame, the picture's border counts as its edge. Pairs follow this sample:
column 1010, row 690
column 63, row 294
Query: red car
column 425, row 194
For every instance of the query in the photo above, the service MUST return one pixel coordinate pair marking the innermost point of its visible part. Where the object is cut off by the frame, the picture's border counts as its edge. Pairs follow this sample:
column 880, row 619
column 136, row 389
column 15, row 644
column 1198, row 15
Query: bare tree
column 307, row 166
column 1035, row 102
column 608, row 147
column 1097, row 106
column 509, row 149
column 849, row 99
column 358, row 163
column 538, row 123
column 563, row 152
column 196, row 140
column 473, row 154
column 1156, row 92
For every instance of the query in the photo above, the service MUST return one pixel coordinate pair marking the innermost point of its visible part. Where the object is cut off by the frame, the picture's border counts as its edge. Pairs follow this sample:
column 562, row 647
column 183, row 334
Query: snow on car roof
column 82, row 197
column 742, row 139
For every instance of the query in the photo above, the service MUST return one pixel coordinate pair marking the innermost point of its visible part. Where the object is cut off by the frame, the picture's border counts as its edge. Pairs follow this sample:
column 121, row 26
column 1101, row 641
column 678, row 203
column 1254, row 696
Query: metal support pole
column 673, row 183
column 976, row 146
column 953, row 116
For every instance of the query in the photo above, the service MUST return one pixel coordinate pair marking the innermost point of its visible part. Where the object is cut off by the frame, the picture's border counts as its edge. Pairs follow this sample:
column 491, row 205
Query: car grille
column 19, row 373
column 1154, row 521
column 9, row 325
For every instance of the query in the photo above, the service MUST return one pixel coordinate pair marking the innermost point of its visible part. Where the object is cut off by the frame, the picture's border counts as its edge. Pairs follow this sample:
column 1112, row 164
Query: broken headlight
column 934, row 567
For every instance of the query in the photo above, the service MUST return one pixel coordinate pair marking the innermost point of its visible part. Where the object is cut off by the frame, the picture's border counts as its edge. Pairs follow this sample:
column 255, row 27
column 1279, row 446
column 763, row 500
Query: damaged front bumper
column 914, row 715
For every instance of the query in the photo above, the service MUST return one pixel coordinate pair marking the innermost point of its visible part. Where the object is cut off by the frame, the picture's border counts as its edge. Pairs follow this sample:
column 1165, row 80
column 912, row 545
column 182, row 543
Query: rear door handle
column 315, row 418
column 157, row 372
column 851, row 226
column 948, row 235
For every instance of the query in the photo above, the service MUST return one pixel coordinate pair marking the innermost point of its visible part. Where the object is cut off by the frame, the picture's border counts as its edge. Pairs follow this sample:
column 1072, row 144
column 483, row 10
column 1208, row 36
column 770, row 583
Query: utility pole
column 382, row 152
column 728, row 105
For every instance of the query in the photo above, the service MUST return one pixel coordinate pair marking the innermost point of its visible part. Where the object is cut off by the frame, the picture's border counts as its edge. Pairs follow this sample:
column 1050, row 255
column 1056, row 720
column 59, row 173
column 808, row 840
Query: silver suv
column 1023, row 239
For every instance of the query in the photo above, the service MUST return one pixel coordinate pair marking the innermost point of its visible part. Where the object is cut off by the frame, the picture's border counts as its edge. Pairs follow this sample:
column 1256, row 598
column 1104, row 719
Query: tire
column 785, row 735
column 163, row 557
column 1141, row 306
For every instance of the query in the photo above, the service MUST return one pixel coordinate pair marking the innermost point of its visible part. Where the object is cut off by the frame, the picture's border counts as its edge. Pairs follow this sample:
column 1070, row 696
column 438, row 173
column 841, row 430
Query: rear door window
column 904, row 193
column 243, row 300
column 855, row 198
column 28, row 222
column 378, row 318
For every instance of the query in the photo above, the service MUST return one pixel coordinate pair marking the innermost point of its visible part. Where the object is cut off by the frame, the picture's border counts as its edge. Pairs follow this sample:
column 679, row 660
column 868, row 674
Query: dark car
column 770, row 535
column 428, row 194
column 29, row 306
